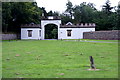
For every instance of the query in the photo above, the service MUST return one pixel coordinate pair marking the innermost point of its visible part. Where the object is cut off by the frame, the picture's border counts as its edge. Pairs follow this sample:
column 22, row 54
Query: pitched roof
column 69, row 23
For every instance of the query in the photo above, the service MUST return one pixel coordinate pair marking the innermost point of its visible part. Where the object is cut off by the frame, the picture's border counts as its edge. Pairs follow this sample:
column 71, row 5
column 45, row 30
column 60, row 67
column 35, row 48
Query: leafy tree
column 87, row 13
column 56, row 13
column 44, row 12
column 84, row 12
column 55, row 33
column 106, row 19
column 51, row 13
column 65, row 19
column 0, row 15
column 69, row 8
column 107, row 7
column 51, row 31
column 77, row 14
column 17, row 13
column 6, row 16
column 118, row 17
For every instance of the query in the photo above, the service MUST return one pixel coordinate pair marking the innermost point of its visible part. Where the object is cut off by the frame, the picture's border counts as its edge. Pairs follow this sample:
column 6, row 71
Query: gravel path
column 92, row 41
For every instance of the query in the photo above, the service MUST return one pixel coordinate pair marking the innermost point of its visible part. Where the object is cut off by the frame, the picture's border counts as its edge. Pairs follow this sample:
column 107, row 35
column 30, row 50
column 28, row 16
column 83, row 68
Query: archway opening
column 51, row 31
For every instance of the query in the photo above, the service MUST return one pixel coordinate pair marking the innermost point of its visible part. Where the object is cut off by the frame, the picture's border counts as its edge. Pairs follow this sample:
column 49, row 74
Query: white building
column 68, row 31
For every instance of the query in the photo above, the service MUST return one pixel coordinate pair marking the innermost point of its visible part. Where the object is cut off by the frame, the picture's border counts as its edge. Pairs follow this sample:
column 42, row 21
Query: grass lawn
column 58, row 59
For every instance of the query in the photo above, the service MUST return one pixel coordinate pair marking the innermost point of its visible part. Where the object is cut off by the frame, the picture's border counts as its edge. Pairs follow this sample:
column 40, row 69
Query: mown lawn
column 58, row 59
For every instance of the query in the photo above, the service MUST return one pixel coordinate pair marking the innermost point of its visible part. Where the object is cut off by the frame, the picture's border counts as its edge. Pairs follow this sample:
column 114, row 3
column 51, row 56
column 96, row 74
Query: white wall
column 76, row 33
column 35, row 33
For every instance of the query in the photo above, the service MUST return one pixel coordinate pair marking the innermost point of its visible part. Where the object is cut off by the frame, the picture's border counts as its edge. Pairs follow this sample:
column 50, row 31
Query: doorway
column 51, row 31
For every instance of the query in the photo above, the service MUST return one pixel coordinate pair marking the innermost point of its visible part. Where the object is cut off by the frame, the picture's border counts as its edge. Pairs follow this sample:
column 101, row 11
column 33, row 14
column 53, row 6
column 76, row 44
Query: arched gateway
column 50, row 20
column 66, row 31
column 51, row 31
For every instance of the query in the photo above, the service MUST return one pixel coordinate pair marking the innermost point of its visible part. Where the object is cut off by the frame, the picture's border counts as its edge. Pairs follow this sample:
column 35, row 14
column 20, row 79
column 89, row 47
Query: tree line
column 16, row 13
column 106, row 19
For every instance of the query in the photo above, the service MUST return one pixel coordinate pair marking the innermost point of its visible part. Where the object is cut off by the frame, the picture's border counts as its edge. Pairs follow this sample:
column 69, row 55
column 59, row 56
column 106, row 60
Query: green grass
column 58, row 59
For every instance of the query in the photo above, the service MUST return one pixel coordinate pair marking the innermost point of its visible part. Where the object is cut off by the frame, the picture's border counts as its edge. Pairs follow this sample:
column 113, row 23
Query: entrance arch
column 51, row 31
column 56, row 22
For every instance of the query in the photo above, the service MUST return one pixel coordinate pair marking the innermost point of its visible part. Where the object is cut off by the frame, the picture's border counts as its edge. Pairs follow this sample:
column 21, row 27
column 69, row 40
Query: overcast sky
column 60, row 5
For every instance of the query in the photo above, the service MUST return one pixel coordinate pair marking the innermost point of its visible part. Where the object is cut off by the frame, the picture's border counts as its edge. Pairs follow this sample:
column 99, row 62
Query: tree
column 77, row 14
column 50, row 13
column 84, row 12
column 55, row 33
column 51, row 31
column 69, row 8
column 106, row 19
column 118, row 17
column 17, row 13
column 6, row 16
column 56, row 13
column 44, row 12
column 0, row 15
column 65, row 19
column 107, row 7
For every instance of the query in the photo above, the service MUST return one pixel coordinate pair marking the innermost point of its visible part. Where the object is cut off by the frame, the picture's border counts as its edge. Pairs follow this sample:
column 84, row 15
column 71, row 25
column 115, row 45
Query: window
column 29, row 33
column 69, row 33
column 40, row 33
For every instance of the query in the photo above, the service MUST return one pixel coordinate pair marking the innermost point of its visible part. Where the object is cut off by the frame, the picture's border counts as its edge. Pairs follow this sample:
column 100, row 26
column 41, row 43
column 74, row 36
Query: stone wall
column 102, row 35
column 9, row 36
